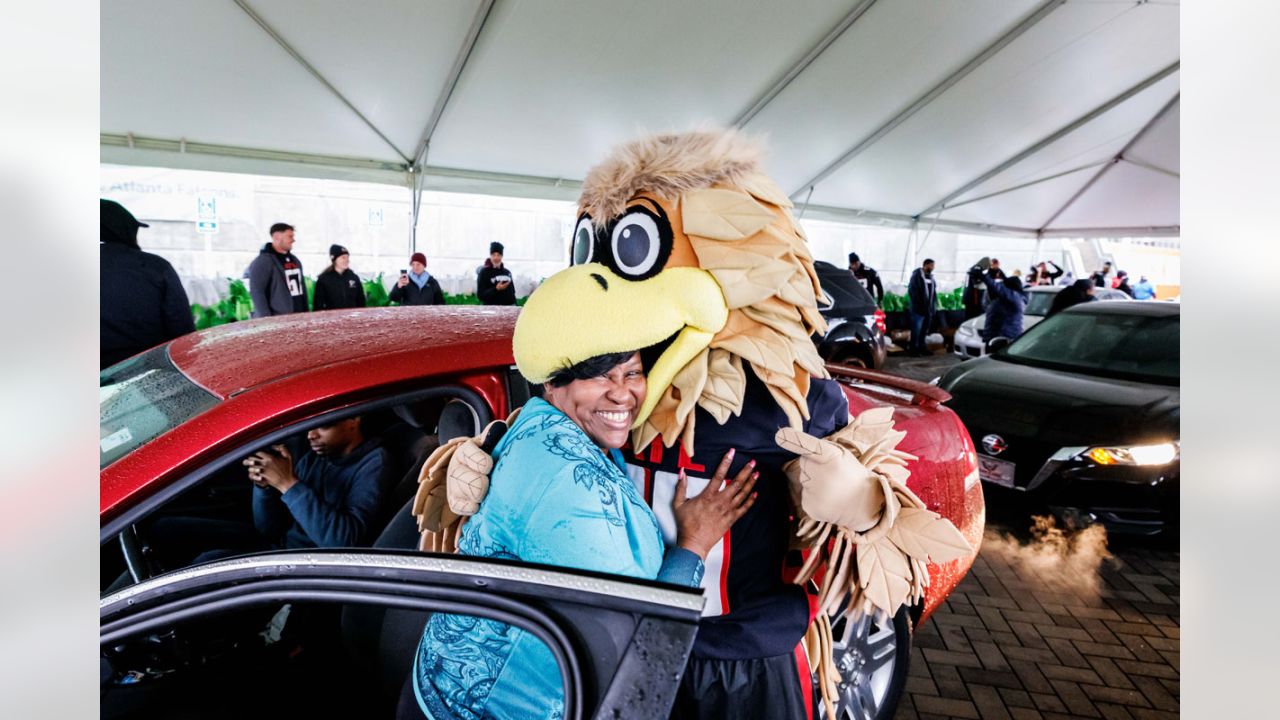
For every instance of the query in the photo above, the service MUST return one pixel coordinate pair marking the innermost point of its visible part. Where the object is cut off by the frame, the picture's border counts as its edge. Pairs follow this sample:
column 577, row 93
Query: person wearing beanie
column 416, row 286
column 276, row 284
column 494, row 285
column 143, row 303
column 867, row 276
column 338, row 286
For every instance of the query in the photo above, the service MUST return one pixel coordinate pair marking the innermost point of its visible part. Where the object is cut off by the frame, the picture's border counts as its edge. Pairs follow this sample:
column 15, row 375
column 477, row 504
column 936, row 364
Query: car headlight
column 965, row 330
column 1161, row 454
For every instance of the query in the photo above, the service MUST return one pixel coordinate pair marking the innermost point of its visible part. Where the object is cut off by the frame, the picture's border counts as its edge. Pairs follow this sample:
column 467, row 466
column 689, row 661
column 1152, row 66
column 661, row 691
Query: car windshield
column 1134, row 346
column 1039, row 303
column 141, row 399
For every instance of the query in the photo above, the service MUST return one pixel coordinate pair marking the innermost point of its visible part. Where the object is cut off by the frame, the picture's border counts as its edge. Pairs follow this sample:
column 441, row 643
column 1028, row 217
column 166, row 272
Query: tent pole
column 451, row 83
column 1028, row 184
column 1118, row 157
column 1027, row 23
column 804, row 62
column 1053, row 137
column 316, row 74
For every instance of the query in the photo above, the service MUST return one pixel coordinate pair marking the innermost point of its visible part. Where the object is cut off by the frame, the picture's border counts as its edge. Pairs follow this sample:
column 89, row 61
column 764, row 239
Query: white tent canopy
column 1025, row 117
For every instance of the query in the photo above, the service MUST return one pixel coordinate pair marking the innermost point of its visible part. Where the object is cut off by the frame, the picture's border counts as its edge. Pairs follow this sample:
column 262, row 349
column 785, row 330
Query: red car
column 177, row 420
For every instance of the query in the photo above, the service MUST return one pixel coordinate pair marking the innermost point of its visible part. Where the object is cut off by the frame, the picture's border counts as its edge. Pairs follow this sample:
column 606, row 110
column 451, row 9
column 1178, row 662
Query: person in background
column 417, row 286
column 1100, row 277
column 1122, row 283
column 994, row 272
column 1004, row 312
column 276, row 285
column 494, row 285
column 143, row 303
column 1040, row 274
column 1144, row 290
column 1079, row 291
column 974, row 294
column 1068, row 280
column 867, row 276
column 922, row 292
column 338, row 287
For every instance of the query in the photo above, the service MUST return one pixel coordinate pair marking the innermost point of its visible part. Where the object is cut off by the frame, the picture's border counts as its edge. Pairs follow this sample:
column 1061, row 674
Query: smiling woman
column 559, row 495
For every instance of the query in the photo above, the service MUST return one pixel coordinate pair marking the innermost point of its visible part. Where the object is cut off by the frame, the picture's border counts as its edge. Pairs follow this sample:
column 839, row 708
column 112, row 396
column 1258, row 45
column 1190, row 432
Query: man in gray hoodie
column 276, row 284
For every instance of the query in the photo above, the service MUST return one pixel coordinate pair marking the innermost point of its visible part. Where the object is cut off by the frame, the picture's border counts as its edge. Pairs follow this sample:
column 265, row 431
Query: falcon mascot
column 684, row 247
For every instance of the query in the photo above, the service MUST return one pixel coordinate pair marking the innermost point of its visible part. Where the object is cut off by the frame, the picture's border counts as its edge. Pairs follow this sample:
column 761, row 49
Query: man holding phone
column 494, row 285
column 326, row 498
column 416, row 286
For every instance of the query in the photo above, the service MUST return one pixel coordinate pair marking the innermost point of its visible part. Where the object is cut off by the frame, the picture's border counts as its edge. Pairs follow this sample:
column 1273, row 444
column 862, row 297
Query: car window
column 314, row 659
column 141, row 399
column 352, row 476
column 1039, row 303
column 1135, row 346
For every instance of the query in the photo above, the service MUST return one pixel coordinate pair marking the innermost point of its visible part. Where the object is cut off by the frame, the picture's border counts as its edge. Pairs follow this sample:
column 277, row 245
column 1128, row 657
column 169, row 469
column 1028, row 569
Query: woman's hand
column 704, row 518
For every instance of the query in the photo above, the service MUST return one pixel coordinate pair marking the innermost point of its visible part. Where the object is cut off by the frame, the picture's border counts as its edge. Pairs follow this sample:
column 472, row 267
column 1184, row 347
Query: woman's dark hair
column 589, row 368
column 1082, row 285
column 1014, row 283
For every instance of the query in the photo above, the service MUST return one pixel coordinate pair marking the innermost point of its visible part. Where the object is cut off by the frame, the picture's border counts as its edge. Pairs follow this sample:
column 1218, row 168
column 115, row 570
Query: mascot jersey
column 751, row 610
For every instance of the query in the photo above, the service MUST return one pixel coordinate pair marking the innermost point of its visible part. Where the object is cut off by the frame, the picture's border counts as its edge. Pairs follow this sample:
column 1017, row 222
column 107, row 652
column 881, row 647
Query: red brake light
column 879, row 315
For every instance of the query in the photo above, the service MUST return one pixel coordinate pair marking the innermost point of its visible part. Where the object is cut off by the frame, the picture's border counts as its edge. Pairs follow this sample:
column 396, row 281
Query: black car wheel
column 872, row 657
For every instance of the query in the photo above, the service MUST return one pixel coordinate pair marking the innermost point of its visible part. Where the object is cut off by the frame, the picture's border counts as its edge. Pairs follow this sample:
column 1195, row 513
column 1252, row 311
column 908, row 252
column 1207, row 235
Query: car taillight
column 879, row 316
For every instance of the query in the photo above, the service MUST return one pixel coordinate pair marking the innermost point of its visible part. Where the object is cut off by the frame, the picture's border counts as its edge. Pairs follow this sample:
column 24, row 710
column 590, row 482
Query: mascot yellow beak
column 588, row 310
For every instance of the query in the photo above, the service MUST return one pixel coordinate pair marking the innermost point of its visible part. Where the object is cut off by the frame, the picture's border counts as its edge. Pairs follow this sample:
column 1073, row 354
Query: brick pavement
column 1042, row 639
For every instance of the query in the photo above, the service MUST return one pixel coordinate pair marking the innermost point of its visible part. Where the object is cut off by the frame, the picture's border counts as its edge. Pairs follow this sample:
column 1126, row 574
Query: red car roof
column 232, row 358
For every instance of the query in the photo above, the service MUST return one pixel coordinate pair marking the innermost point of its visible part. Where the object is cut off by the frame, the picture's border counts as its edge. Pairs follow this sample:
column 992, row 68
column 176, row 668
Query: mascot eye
column 637, row 243
column 584, row 241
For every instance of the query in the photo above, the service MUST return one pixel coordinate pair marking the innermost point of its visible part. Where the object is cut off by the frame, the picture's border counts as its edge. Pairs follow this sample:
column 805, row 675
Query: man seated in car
column 326, row 498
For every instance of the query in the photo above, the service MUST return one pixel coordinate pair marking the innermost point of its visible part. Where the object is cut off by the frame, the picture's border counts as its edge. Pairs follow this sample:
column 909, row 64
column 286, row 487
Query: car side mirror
column 998, row 344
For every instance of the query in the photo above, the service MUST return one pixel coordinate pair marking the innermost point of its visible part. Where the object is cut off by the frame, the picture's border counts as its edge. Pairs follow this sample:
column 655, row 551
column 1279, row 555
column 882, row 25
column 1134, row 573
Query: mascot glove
column 829, row 484
column 467, row 479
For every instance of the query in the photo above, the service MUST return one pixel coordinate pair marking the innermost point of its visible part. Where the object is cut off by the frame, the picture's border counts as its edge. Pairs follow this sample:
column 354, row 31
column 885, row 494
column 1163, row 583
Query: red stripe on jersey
column 806, row 681
column 724, row 576
column 648, row 487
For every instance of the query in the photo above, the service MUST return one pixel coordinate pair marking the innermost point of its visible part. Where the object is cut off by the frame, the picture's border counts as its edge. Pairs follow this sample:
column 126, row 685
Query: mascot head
column 683, row 247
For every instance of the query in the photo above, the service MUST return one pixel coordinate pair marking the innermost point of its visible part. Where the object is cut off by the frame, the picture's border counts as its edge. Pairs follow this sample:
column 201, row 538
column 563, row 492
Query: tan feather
column 884, row 575
column 722, row 214
column 927, row 536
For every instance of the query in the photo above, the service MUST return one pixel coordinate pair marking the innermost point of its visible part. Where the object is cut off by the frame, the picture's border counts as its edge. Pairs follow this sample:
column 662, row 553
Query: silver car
column 968, row 342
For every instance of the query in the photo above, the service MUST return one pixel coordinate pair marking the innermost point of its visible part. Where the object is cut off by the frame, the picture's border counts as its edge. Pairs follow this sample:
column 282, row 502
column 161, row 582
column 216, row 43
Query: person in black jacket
column 867, row 276
column 922, row 291
column 338, row 287
column 143, row 303
column 494, row 285
column 1078, row 292
column 417, row 287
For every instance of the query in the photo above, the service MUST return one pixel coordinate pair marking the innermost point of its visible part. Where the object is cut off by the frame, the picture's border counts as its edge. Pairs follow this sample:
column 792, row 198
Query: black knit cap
column 335, row 251
column 496, row 247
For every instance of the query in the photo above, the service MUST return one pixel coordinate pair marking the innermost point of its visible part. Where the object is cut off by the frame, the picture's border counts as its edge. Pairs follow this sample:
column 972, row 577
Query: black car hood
column 1062, row 408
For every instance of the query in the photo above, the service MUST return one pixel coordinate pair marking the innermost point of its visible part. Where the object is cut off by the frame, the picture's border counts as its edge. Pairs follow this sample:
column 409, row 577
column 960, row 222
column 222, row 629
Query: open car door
column 334, row 633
